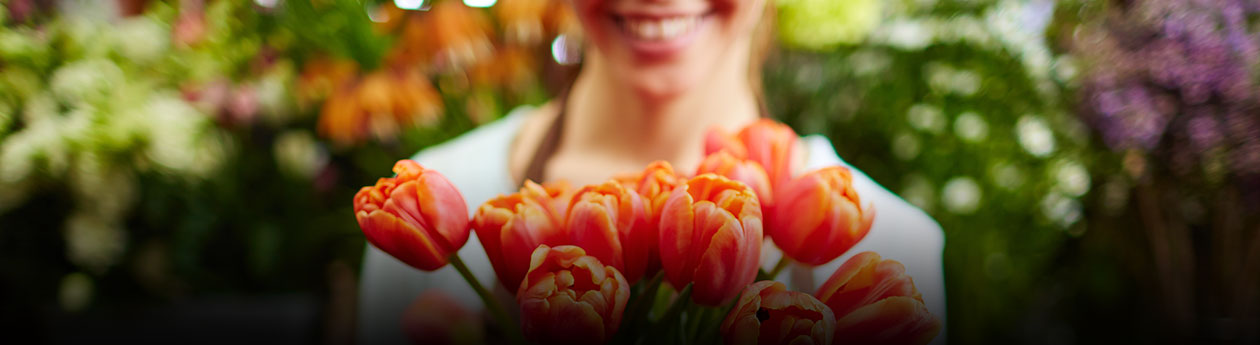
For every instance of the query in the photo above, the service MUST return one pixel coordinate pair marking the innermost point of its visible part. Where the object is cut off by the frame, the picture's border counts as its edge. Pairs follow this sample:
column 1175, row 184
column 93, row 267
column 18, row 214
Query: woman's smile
column 661, row 35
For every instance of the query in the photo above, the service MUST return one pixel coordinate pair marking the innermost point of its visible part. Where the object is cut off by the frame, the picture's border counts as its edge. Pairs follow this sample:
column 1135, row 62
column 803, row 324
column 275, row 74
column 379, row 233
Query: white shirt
column 477, row 164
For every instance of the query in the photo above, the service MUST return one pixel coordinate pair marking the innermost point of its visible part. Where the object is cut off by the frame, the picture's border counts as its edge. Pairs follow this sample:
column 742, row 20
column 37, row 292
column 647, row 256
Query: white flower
column 39, row 145
column 85, row 80
column 971, row 127
column 961, row 195
column 298, row 154
column 142, row 40
column 183, row 141
column 1034, row 136
column 905, row 146
column 274, row 98
column 93, row 243
column 926, row 118
column 1071, row 178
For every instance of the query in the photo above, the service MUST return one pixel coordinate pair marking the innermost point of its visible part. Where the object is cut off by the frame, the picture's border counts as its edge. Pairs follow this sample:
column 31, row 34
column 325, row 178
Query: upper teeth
column 660, row 29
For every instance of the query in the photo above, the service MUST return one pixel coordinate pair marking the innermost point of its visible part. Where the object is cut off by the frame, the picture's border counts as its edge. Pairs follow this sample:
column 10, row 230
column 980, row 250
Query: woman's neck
column 618, row 128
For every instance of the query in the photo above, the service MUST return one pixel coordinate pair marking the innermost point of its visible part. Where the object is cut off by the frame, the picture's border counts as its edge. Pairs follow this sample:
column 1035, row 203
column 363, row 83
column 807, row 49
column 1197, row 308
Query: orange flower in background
column 710, row 235
column 561, row 20
column 379, row 106
column 875, row 302
column 522, row 20
column 417, row 217
column 818, row 216
column 510, row 67
column 437, row 318
column 569, row 297
column 749, row 172
column 321, row 77
column 609, row 222
column 510, row 227
column 767, row 313
column 458, row 34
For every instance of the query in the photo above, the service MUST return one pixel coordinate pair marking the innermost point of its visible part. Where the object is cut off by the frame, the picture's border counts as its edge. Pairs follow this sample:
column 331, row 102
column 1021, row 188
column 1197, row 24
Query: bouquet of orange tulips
column 661, row 257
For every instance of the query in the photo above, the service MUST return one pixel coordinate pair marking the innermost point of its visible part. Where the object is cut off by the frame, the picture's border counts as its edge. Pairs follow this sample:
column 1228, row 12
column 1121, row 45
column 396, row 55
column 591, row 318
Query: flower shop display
column 657, row 256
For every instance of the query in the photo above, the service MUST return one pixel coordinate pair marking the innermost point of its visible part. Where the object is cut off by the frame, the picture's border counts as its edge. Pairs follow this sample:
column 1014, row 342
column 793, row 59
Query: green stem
column 700, row 323
column 778, row 268
column 496, row 310
column 670, row 320
column 637, row 313
column 710, row 333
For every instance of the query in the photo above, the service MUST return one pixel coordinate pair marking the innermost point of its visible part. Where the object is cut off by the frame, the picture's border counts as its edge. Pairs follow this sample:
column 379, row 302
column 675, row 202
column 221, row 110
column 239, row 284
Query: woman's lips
column 660, row 36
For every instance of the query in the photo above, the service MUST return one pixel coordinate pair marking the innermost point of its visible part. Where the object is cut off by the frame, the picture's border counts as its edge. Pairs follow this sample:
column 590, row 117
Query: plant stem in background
column 496, row 310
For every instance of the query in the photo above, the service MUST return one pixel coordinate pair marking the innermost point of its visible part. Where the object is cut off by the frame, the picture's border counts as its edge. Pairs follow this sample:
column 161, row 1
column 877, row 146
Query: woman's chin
column 661, row 86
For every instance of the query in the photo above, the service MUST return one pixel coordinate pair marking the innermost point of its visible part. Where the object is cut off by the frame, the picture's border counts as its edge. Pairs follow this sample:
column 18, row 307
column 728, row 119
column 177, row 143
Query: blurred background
column 166, row 166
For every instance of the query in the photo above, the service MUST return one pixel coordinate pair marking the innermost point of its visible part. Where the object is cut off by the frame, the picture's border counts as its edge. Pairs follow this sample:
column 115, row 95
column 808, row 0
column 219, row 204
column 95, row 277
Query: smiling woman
column 657, row 76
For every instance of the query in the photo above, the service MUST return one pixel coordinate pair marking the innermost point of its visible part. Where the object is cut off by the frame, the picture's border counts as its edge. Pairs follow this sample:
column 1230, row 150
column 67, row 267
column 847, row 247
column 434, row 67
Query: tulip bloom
column 767, row 313
column 571, row 298
column 717, row 140
column 710, row 235
column 769, row 143
column 876, row 302
column 418, row 217
column 772, row 144
column 819, row 216
column 749, row 172
column 510, row 227
column 654, row 184
column 610, row 223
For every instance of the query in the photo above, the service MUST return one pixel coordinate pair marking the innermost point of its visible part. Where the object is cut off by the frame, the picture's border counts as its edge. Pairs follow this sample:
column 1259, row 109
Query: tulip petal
column 895, row 320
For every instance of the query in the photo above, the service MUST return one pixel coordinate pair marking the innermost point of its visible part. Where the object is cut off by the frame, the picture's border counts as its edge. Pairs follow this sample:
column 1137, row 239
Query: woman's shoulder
column 477, row 162
column 487, row 140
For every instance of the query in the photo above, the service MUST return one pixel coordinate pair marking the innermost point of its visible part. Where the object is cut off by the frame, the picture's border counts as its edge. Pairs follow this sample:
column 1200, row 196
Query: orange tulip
column 772, row 144
column 749, row 172
column 570, row 298
column 417, row 217
column 654, row 184
column 609, row 222
column 718, row 140
column 767, row 142
column 767, row 313
column 510, row 227
column 877, row 303
column 710, row 235
column 819, row 216
column 436, row 318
